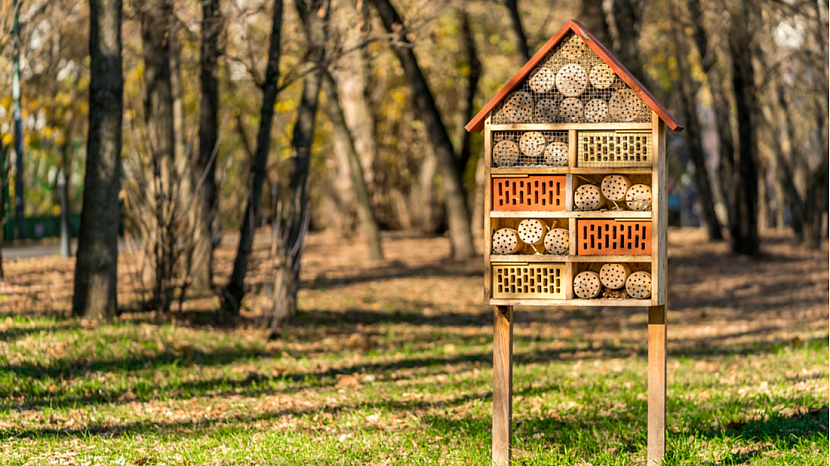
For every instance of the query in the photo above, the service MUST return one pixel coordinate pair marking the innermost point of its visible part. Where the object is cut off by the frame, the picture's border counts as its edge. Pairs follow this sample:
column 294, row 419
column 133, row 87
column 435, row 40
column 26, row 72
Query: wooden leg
column 656, row 384
column 502, row 384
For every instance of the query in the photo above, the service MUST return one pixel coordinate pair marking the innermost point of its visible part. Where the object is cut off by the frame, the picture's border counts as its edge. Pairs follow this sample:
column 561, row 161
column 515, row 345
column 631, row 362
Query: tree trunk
column 744, row 225
column 19, row 211
column 468, row 110
column 63, row 192
column 160, row 122
column 694, row 135
column 234, row 291
column 627, row 17
column 204, row 170
column 461, row 238
column 314, row 15
column 592, row 16
column 518, row 29
column 364, row 205
column 720, row 106
column 4, row 195
column 96, row 266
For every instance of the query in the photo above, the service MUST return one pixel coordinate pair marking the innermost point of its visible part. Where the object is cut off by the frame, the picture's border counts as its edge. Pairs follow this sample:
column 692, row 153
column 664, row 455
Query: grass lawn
column 390, row 363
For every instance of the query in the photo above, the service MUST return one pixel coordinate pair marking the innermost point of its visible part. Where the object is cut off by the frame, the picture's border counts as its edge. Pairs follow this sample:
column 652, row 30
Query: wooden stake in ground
column 503, row 384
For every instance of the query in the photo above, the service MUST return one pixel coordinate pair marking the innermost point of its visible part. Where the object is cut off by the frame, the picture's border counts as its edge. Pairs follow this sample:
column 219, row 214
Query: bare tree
column 206, row 226
column 694, row 134
column 457, row 213
column 234, row 291
column 744, row 222
column 364, row 203
column 294, row 224
column 96, row 267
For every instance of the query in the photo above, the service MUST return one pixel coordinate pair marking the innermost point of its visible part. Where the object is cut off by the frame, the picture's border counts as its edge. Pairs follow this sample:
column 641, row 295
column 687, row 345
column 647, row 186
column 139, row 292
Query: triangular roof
column 477, row 123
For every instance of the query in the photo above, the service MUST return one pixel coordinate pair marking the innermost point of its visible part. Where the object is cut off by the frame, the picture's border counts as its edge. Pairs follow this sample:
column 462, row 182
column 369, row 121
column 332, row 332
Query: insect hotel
column 575, row 204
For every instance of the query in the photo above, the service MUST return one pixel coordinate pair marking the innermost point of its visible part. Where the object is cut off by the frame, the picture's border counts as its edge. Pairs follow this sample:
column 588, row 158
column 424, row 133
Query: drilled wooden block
column 610, row 237
column 557, row 241
column 533, row 281
column 638, row 197
column 506, row 241
column 556, row 154
column 638, row 285
column 533, row 193
column 587, row 285
column 613, row 276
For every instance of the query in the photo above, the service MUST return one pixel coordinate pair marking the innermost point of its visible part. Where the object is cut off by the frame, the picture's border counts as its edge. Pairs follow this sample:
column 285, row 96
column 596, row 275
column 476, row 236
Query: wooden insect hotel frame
column 575, row 204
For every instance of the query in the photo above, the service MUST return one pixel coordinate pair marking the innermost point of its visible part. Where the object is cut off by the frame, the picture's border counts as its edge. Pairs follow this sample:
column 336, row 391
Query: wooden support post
column 656, row 384
column 502, row 384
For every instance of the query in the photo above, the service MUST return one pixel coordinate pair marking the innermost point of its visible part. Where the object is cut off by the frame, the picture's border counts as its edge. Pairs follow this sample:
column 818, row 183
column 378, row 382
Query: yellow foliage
column 7, row 139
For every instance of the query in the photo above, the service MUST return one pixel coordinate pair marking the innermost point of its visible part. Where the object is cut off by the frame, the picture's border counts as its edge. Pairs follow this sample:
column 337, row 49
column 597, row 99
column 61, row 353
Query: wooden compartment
column 588, row 275
column 621, row 148
column 514, row 280
column 529, row 193
column 638, row 182
column 556, row 230
column 613, row 237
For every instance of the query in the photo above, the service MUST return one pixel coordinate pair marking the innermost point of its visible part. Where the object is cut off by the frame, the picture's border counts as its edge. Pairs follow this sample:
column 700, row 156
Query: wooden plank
column 569, row 193
column 568, row 258
column 572, row 149
column 502, row 384
column 656, row 384
column 625, row 214
column 570, row 127
column 660, row 214
column 488, row 199
column 572, row 236
column 570, row 271
column 572, row 302
column 505, row 171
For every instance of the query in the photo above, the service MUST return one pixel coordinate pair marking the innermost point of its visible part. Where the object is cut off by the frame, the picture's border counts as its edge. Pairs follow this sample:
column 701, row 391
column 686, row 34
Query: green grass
column 139, row 393
column 392, row 364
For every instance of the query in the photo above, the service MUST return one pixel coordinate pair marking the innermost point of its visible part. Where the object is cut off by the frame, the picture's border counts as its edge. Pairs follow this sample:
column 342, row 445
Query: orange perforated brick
column 533, row 193
column 610, row 237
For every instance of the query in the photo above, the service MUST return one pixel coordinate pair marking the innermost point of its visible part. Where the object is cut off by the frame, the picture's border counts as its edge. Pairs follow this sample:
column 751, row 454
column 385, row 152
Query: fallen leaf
column 346, row 380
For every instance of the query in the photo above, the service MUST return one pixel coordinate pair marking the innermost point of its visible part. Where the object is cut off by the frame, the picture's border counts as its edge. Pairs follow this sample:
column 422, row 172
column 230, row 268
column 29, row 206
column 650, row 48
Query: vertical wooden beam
column 572, row 135
column 502, row 384
column 659, row 209
column 656, row 384
column 488, row 198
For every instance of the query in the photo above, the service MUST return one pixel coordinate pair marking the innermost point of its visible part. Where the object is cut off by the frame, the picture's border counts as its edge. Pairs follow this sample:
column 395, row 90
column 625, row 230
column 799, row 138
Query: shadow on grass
column 257, row 384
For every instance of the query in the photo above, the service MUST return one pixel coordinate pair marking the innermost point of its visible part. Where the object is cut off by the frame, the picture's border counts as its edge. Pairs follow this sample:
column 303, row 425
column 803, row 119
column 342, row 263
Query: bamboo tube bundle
column 532, row 231
column 587, row 285
column 602, row 76
column 615, row 187
column 546, row 111
column 638, row 197
column 613, row 276
column 556, row 154
column 519, row 107
column 638, row 285
column 588, row 197
column 532, row 144
column 557, row 241
column 570, row 109
column 571, row 80
column 506, row 154
column 625, row 105
column 506, row 241
column 541, row 80
column 596, row 111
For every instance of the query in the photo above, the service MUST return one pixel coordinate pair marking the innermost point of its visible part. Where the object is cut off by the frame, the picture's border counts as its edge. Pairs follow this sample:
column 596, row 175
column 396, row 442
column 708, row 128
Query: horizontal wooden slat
column 567, row 126
column 566, row 258
column 572, row 302
column 524, row 171
column 623, row 214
